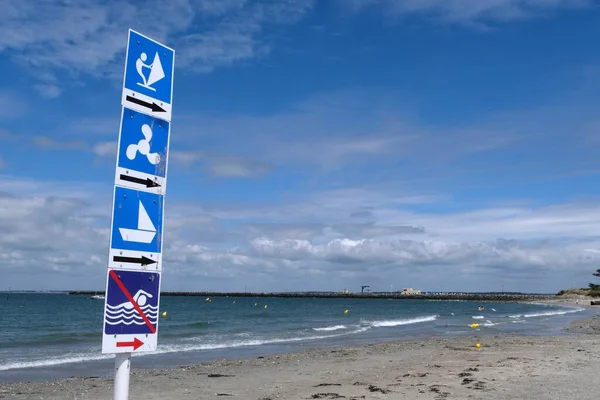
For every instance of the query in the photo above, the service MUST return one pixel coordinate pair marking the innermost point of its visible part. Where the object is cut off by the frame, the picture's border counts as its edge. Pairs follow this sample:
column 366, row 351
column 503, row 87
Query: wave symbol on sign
column 125, row 313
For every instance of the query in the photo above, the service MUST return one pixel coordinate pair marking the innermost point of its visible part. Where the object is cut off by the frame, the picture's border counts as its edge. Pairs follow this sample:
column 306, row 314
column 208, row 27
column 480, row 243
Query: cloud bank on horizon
column 315, row 146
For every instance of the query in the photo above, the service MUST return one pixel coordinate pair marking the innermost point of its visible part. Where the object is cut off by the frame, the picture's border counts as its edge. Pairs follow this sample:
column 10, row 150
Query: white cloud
column 60, row 231
column 102, row 125
column 351, row 129
column 478, row 12
column 366, row 253
column 370, row 135
column 220, row 167
column 44, row 142
column 230, row 167
column 11, row 105
column 90, row 38
column 185, row 157
column 104, row 149
column 48, row 234
column 47, row 90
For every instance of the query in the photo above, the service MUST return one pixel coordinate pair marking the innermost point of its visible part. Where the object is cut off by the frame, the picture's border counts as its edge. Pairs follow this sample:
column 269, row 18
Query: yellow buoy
column 478, row 345
column 164, row 314
column 345, row 311
column 474, row 326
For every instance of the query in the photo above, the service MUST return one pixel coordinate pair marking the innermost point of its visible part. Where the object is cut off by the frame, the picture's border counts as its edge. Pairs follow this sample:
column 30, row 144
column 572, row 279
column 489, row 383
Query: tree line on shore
column 595, row 288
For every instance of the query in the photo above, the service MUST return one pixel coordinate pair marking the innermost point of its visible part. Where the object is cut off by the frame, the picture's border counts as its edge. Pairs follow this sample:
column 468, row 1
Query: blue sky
column 315, row 145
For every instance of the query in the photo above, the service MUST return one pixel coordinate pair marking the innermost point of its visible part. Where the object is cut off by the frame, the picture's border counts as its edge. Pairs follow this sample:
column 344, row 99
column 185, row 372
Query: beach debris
column 480, row 385
column 373, row 388
column 327, row 396
column 328, row 384
column 440, row 394
column 224, row 394
column 415, row 375
column 219, row 375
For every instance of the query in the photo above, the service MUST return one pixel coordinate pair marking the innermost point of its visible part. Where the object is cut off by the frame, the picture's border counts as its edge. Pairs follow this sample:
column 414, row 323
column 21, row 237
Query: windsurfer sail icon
column 156, row 71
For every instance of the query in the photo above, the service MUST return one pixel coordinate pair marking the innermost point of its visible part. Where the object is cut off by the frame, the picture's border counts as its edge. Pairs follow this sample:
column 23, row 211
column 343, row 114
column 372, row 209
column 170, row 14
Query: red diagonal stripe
column 130, row 298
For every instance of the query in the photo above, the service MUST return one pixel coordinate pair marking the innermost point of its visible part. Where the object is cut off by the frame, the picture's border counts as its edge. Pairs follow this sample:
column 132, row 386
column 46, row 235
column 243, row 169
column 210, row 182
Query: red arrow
column 135, row 344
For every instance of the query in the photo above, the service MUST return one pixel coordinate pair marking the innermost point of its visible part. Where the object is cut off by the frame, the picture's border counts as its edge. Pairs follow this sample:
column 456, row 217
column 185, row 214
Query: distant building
column 409, row 291
column 345, row 291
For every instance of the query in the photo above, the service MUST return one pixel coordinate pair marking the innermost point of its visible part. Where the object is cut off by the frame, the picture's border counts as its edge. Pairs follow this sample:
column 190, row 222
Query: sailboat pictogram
column 145, row 231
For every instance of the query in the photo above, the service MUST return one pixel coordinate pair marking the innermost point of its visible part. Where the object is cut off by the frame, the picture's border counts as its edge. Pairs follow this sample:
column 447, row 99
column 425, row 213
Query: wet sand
column 505, row 367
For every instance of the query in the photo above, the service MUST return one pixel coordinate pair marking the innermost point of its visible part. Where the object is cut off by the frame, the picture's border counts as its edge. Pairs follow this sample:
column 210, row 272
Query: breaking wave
column 547, row 313
column 330, row 328
column 398, row 322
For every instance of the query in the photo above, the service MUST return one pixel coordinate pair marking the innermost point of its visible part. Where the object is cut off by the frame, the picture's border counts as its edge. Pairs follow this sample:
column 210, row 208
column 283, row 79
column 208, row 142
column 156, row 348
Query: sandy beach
column 504, row 367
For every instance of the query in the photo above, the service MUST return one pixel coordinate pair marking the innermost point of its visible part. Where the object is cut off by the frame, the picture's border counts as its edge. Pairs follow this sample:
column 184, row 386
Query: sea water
column 52, row 336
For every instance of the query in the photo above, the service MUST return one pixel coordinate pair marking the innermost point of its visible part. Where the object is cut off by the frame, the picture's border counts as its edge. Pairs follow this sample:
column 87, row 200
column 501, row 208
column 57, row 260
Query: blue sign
column 137, row 220
column 143, row 143
column 131, row 302
column 148, row 81
column 132, row 294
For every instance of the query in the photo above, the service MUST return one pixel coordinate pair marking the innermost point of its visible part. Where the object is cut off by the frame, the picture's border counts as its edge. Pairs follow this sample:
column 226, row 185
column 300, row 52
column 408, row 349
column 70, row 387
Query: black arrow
column 155, row 107
column 148, row 182
column 143, row 260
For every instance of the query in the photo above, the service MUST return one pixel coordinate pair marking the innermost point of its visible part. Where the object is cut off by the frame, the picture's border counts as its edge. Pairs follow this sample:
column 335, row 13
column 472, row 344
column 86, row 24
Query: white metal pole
column 122, row 367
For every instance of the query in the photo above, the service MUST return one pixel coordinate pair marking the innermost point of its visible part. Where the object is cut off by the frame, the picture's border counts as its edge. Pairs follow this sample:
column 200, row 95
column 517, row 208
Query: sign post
column 133, row 281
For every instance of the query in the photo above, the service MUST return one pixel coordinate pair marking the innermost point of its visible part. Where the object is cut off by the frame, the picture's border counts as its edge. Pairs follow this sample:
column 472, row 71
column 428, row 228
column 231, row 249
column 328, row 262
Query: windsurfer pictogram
column 156, row 71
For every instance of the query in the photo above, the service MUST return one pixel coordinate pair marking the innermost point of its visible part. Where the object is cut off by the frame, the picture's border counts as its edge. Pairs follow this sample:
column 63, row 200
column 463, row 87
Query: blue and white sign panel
column 136, row 237
column 132, row 296
column 143, row 152
column 131, row 311
column 148, row 78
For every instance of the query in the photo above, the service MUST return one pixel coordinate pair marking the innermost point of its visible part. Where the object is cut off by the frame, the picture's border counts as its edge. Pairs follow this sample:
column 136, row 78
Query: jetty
column 371, row 295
